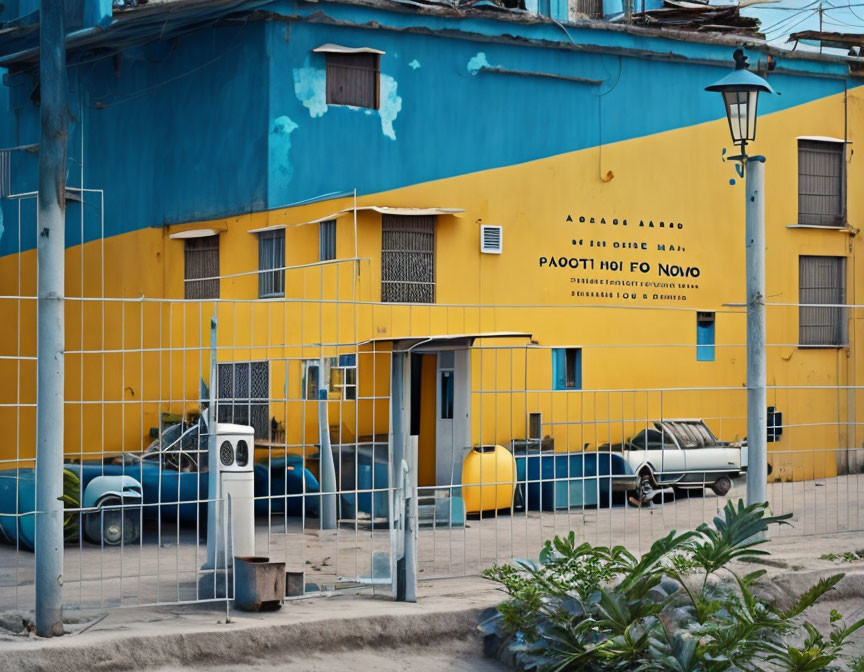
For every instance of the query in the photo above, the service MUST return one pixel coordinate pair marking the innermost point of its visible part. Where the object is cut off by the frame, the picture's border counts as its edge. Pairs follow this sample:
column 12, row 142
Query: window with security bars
column 271, row 263
column 244, row 395
column 327, row 240
column 408, row 259
column 821, row 183
column 822, row 285
column 352, row 79
column 593, row 9
column 201, row 261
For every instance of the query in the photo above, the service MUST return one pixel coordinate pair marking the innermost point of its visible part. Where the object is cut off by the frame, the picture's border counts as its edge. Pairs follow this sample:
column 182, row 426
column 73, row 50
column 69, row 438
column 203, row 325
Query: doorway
column 423, row 413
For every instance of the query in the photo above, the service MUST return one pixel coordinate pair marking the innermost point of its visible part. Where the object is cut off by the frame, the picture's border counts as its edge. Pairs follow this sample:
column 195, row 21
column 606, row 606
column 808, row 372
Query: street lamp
column 740, row 90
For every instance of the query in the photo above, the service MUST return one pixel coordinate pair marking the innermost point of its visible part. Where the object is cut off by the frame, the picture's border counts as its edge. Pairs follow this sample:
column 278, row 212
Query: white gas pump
column 232, row 529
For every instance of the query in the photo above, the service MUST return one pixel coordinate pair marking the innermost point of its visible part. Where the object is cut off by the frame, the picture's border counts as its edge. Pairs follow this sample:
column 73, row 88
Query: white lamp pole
column 740, row 91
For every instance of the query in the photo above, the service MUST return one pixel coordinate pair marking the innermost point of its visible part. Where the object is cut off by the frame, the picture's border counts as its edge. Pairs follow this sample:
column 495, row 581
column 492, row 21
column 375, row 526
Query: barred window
column 327, row 240
column 408, row 258
column 271, row 255
column 593, row 9
column 352, row 79
column 822, row 280
column 244, row 395
column 201, row 261
column 821, row 183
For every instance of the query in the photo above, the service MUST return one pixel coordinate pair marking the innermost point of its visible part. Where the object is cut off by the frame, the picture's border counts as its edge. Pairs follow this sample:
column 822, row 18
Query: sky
column 779, row 19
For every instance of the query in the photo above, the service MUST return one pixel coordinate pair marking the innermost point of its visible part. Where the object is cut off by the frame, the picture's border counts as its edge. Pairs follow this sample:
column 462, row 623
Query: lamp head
column 740, row 89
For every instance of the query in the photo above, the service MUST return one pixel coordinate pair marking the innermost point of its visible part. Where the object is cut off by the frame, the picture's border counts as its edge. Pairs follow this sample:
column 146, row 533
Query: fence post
column 50, row 254
column 757, row 430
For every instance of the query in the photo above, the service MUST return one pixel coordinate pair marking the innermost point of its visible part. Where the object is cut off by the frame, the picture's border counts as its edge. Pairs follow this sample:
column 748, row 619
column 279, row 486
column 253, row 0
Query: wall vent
column 490, row 239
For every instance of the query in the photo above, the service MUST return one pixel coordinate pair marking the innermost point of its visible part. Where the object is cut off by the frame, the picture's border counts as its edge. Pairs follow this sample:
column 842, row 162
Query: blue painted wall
column 79, row 13
column 175, row 131
column 442, row 115
column 230, row 120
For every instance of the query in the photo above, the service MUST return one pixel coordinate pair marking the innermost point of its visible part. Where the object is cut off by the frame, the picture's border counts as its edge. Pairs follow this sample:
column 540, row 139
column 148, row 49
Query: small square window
column 353, row 79
column 704, row 337
column 567, row 368
column 340, row 378
column 327, row 240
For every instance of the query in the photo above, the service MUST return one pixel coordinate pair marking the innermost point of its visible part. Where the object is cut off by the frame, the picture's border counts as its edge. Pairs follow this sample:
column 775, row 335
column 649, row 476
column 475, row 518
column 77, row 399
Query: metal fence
column 138, row 380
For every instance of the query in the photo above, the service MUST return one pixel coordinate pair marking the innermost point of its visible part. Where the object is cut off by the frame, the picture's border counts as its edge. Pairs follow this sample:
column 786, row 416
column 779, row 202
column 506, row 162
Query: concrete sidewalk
column 343, row 629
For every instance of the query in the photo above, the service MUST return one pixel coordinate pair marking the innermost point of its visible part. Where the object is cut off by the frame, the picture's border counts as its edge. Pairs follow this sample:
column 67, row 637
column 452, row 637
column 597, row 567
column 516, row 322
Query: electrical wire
column 784, row 26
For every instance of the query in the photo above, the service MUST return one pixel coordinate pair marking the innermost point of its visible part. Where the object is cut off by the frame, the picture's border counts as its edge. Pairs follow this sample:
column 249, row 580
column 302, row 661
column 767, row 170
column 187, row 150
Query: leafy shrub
column 71, row 500
column 679, row 608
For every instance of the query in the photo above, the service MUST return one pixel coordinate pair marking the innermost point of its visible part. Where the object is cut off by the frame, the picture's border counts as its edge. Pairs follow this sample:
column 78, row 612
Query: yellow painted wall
column 637, row 352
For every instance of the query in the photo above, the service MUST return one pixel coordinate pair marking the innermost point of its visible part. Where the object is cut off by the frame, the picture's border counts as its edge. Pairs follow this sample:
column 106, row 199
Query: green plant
column 71, row 500
column 846, row 556
column 682, row 607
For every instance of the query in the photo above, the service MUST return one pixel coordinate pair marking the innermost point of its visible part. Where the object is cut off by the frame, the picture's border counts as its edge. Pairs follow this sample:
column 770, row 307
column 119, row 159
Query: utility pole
column 757, row 439
column 51, row 263
column 820, row 26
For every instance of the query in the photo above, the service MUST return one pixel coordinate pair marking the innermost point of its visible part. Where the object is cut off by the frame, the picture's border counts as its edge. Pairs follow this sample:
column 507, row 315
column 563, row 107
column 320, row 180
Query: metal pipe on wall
column 757, row 431
column 50, row 253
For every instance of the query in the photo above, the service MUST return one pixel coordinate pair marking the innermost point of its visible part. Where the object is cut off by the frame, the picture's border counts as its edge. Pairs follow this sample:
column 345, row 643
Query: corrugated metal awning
column 330, row 48
column 383, row 209
column 442, row 341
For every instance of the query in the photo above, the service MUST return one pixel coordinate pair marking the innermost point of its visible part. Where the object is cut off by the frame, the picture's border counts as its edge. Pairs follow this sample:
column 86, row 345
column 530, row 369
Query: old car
column 683, row 454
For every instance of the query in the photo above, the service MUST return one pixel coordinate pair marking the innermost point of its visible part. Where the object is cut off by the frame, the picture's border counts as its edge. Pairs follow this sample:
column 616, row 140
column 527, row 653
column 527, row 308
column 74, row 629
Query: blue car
column 165, row 480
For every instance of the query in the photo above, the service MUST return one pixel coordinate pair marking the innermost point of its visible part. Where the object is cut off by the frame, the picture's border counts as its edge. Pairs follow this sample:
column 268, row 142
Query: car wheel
column 722, row 486
column 643, row 493
column 112, row 526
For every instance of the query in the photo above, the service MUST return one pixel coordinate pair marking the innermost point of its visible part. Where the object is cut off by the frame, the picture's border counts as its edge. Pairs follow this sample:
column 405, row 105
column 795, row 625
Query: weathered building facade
column 542, row 211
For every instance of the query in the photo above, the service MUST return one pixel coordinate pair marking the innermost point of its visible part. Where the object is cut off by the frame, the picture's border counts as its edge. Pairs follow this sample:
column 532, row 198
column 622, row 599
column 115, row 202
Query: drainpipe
column 50, row 254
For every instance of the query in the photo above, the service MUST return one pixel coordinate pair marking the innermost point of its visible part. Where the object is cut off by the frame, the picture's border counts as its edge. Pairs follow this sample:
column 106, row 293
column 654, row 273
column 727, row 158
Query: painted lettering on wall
column 628, row 259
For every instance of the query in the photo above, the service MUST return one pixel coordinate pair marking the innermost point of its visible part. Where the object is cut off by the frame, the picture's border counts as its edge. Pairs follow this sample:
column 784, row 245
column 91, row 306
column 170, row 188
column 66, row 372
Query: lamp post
column 740, row 90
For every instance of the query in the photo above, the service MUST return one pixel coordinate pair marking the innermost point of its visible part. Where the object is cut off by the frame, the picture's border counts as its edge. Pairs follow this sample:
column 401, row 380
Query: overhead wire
column 785, row 26
column 807, row 9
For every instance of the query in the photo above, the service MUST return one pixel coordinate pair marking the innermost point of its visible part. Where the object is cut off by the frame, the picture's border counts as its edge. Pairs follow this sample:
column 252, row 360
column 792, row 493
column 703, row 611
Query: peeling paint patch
column 414, row 64
column 391, row 104
column 477, row 62
column 280, row 147
column 310, row 87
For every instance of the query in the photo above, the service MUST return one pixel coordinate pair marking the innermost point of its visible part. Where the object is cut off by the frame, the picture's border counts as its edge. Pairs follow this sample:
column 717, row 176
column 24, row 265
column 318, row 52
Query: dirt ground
column 465, row 655
column 165, row 566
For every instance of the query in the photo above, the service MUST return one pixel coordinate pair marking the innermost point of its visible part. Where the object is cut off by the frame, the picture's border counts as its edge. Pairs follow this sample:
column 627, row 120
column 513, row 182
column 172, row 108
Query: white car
column 683, row 454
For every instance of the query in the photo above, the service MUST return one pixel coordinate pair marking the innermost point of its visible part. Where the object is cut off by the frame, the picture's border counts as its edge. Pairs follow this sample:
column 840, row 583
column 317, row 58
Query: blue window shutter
column 704, row 342
column 559, row 379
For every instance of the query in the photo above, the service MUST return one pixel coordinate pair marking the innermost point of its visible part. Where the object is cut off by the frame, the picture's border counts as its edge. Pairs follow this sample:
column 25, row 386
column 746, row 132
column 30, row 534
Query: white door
column 453, row 415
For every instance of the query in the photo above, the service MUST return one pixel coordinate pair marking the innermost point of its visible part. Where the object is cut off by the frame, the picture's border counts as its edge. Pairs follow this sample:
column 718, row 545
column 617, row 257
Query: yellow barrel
column 488, row 479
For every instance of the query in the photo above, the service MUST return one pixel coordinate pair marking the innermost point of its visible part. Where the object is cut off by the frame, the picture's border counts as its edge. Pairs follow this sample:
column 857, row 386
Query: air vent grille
column 490, row 239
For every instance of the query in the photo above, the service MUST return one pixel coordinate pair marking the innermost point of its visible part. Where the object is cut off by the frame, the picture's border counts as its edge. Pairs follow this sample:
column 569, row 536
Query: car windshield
column 652, row 439
column 691, row 434
column 686, row 437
